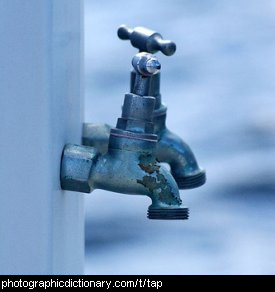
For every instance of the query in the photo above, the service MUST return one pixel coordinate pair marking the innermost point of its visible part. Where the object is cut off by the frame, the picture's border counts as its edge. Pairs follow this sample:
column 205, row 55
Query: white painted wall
column 41, row 227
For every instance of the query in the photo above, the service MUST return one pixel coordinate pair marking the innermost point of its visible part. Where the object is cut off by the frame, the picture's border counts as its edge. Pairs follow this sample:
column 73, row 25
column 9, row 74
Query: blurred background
column 219, row 87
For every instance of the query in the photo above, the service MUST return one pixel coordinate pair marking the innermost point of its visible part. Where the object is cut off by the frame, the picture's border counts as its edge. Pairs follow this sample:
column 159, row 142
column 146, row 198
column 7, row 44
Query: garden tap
column 128, row 164
column 170, row 147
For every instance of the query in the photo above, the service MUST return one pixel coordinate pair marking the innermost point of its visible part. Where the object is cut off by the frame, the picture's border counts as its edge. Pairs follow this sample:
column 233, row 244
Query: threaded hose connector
column 168, row 213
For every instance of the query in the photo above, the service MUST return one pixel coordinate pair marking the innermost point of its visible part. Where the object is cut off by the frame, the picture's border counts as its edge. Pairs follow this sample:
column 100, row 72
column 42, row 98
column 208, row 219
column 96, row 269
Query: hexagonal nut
column 76, row 166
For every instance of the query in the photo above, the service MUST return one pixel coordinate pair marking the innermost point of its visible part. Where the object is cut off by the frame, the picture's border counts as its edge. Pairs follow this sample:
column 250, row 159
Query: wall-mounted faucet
column 170, row 147
column 128, row 165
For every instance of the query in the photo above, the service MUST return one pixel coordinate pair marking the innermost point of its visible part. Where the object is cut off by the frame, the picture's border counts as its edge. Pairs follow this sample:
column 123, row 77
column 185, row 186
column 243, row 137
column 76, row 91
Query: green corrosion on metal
column 157, row 184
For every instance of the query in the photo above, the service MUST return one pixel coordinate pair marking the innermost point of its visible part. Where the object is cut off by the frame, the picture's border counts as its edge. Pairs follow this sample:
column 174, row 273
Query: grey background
column 219, row 87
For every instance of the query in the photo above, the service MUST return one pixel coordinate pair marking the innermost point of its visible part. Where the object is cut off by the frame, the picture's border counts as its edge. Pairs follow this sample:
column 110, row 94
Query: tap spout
column 170, row 149
column 83, row 169
column 184, row 167
column 140, row 174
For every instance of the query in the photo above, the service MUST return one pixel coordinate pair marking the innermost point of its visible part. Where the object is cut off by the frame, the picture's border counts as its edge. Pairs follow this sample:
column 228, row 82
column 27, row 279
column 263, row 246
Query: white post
column 41, row 227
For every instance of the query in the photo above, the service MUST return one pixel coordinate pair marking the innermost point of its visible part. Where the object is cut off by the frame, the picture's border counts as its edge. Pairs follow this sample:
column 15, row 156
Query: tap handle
column 146, row 40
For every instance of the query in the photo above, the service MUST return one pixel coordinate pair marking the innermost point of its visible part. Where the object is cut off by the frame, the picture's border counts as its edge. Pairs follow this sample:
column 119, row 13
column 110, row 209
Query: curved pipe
column 184, row 167
column 170, row 149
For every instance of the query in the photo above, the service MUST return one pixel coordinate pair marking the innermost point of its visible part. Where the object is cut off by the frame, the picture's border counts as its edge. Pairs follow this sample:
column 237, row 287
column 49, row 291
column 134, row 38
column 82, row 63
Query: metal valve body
column 129, row 166
column 170, row 147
